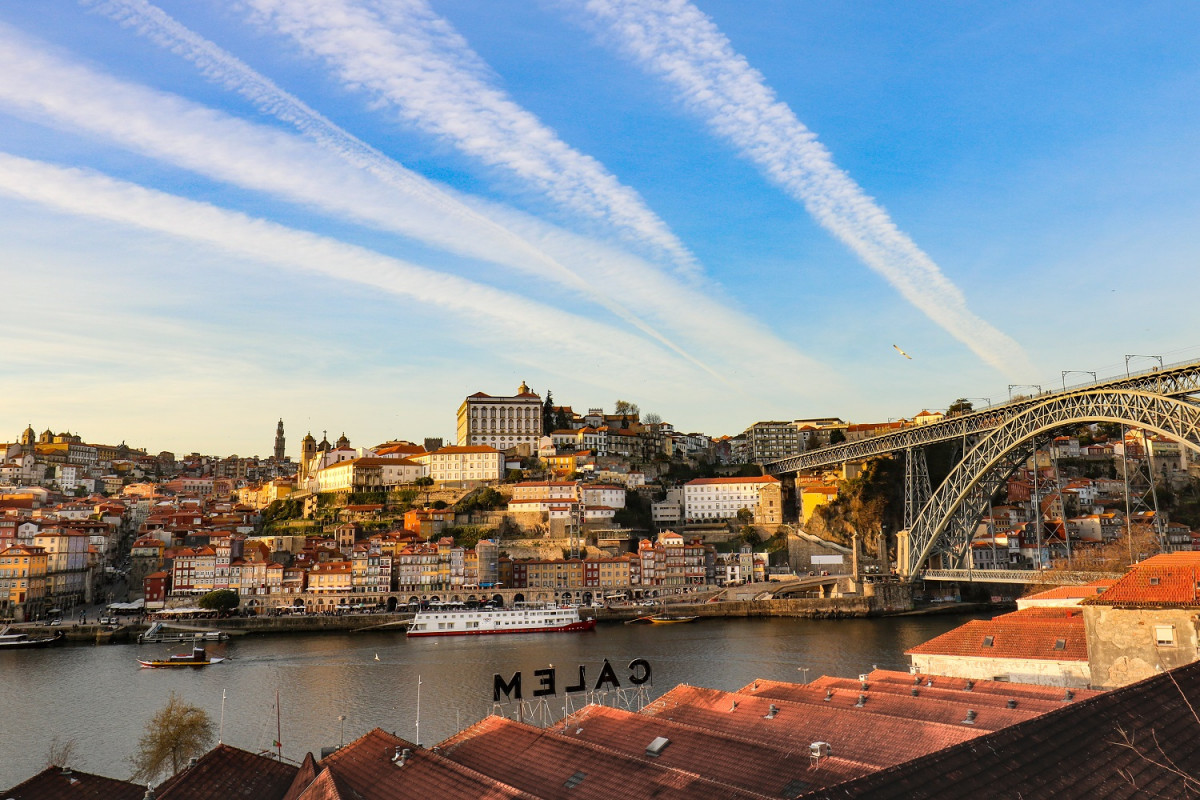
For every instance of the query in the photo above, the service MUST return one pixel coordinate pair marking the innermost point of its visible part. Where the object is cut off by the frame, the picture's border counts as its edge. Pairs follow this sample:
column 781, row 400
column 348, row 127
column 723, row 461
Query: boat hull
column 572, row 627
column 166, row 664
column 25, row 644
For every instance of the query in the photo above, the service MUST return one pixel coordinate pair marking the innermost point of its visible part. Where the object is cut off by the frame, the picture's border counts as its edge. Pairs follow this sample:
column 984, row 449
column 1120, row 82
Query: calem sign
column 547, row 681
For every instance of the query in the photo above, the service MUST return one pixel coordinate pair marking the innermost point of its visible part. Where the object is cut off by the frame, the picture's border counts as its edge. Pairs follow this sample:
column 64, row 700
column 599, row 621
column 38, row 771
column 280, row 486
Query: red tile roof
column 872, row 739
column 1072, row 592
column 553, row 766
column 56, row 783
column 1012, row 637
column 731, row 481
column 226, row 772
column 1168, row 579
column 368, row 768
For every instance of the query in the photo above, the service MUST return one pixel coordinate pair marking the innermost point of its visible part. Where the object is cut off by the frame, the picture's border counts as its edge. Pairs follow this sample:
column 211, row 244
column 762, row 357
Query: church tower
column 280, row 448
column 308, row 451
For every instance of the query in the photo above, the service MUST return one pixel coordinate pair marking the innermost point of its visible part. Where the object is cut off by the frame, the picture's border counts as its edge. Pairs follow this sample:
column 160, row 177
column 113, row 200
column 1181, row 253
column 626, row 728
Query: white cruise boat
column 477, row 621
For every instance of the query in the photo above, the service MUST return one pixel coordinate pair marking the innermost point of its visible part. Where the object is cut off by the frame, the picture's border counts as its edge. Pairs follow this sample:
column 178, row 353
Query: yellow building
column 22, row 581
column 812, row 497
column 330, row 577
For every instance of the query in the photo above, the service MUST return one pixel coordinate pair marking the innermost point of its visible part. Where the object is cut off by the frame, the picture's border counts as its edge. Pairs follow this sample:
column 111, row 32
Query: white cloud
column 409, row 59
column 676, row 41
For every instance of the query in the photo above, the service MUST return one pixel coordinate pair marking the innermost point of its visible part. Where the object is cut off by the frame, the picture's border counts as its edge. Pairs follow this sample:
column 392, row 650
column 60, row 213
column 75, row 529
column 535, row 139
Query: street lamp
column 1138, row 355
column 1012, row 386
column 1067, row 372
column 342, row 720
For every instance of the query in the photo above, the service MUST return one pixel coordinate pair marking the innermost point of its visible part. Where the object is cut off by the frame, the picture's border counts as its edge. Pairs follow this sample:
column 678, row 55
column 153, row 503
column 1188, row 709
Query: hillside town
column 533, row 498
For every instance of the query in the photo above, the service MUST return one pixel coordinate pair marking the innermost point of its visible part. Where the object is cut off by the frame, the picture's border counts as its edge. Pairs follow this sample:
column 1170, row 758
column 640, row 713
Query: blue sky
column 352, row 213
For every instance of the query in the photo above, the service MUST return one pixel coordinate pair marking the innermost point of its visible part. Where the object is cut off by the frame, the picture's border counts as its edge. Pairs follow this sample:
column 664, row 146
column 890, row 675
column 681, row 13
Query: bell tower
column 280, row 442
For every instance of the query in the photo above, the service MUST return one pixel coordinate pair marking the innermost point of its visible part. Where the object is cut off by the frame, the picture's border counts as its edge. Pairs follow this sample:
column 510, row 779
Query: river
column 100, row 698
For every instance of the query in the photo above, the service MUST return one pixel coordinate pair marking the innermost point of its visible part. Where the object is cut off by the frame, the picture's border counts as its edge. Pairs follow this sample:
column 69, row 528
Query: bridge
column 1026, row 576
column 996, row 441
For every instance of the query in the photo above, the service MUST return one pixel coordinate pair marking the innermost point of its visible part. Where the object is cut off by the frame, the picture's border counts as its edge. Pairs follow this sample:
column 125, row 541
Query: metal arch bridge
column 1175, row 380
column 955, row 508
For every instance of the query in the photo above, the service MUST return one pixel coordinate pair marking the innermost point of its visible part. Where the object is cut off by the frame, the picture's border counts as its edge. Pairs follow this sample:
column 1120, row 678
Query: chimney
column 970, row 720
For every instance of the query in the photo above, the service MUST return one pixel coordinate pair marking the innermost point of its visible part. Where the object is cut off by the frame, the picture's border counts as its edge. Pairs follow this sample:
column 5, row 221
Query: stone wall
column 1018, row 670
column 1122, row 642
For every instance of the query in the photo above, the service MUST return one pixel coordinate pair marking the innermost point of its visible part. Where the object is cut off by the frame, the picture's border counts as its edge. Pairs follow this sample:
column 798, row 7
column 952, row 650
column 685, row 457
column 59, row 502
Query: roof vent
column 828, row 695
column 655, row 748
column 149, row 795
column 916, row 680
column 929, row 683
column 772, row 712
column 1060, row 644
column 575, row 780
column 863, row 677
column 817, row 751
column 862, row 701
column 864, row 686
column 401, row 756
column 970, row 685
column 1012, row 702
column 1155, row 580
column 970, row 720
column 916, row 692
column 733, row 706
column 1068, row 696
column 989, row 641
column 192, row 762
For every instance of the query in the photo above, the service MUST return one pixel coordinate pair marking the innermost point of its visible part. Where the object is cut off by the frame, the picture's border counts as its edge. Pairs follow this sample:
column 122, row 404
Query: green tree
column 221, row 600
column 561, row 421
column 837, row 436
column 548, row 414
column 960, row 406
column 177, row 733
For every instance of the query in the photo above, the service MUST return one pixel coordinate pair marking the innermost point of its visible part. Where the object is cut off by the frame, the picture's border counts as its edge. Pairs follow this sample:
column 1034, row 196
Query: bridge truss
column 949, row 519
column 1176, row 380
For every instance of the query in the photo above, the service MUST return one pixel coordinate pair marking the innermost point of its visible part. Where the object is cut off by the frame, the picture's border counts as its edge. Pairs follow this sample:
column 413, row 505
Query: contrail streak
column 501, row 313
column 408, row 58
column 676, row 41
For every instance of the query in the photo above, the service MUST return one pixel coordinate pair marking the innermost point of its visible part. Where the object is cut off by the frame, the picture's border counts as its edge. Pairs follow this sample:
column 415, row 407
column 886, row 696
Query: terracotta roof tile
column 225, row 772
column 1168, row 579
column 367, row 768
column 880, row 742
column 1061, row 639
column 55, row 783
column 1081, row 750
column 554, row 766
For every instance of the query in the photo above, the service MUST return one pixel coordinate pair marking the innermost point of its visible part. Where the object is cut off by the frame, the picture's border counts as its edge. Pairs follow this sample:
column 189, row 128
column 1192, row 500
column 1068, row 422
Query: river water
column 100, row 698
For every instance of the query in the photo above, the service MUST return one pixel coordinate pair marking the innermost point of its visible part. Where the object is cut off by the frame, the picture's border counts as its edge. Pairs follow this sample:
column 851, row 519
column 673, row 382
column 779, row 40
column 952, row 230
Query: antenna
column 221, row 729
column 278, row 730
column 418, row 742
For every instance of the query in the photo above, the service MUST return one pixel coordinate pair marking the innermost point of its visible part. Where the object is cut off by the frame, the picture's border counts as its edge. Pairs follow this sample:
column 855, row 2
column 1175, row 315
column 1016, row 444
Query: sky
column 350, row 214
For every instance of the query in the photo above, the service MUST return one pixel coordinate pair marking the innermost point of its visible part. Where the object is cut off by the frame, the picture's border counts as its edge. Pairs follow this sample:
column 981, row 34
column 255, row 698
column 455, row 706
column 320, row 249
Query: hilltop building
column 501, row 422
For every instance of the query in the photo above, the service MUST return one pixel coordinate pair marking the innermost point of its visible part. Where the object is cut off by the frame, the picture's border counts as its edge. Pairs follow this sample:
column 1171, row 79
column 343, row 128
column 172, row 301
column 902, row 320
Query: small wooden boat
column 197, row 658
column 669, row 619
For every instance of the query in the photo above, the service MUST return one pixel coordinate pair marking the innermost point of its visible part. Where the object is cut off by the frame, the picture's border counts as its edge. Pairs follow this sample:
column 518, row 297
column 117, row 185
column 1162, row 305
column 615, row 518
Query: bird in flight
column 901, row 352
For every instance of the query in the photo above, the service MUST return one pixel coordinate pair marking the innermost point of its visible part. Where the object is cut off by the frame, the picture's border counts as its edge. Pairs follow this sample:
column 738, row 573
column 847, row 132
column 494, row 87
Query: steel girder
column 962, row 496
column 1175, row 381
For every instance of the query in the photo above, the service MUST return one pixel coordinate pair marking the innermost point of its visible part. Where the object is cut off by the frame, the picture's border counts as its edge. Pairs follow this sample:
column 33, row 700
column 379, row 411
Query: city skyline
column 352, row 215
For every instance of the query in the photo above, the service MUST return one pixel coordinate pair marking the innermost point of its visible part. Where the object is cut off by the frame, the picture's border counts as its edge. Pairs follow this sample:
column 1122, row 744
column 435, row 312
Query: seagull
column 901, row 352
column 377, row 656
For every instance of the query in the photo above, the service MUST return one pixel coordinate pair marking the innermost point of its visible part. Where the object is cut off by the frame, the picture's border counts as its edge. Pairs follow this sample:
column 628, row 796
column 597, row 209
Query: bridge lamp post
column 1067, row 372
column 1012, row 386
column 1139, row 355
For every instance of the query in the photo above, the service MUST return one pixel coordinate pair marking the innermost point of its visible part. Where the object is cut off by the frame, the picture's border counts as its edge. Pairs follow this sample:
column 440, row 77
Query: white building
column 720, row 499
column 501, row 422
column 463, row 464
column 368, row 474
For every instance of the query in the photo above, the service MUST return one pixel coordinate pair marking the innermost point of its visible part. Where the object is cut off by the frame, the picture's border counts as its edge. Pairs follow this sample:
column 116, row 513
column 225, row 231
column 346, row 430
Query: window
column 1164, row 634
column 989, row 641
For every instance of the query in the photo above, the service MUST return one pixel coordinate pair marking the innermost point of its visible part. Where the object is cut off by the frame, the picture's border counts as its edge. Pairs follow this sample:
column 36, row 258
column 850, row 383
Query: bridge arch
column 962, row 496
